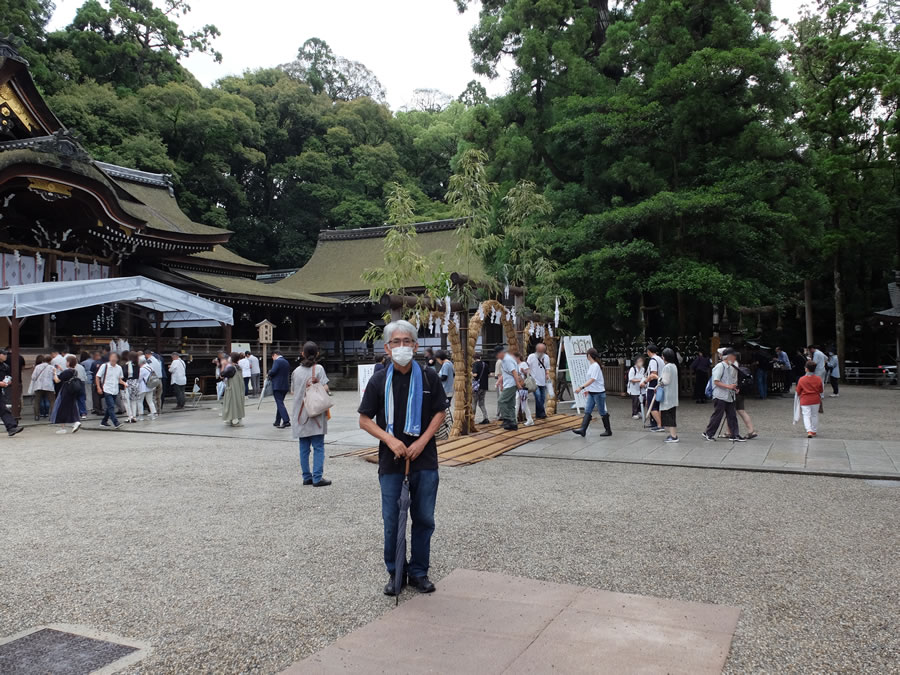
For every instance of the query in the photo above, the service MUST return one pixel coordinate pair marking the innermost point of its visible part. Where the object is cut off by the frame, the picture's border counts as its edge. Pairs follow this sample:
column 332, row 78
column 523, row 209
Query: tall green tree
column 128, row 43
column 847, row 68
column 659, row 131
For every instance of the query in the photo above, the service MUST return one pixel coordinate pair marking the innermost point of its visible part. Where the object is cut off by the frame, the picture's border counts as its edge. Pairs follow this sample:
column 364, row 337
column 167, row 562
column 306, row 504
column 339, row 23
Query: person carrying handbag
column 309, row 418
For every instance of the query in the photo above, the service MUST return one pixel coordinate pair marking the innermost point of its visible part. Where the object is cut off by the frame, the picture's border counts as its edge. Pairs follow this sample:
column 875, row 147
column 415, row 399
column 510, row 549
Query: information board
column 364, row 373
column 575, row 348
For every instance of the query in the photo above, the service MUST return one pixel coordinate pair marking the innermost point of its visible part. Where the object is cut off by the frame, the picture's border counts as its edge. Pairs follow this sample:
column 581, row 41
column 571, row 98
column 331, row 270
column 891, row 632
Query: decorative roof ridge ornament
column 61, row 143
column 9, row 48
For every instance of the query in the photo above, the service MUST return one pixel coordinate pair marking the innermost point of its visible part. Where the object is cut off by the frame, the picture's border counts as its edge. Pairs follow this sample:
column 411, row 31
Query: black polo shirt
column 433, row 402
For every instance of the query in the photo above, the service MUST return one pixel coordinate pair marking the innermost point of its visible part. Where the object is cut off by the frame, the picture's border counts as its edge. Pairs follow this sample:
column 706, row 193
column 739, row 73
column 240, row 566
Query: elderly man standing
column 178, row 379
column 725, row 390
column 402, row 407
column 538, row 367
column 511, row 382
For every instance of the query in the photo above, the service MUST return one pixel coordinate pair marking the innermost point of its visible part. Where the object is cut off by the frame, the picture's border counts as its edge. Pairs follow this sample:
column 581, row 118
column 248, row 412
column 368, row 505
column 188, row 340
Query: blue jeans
column 540, row 396
column 281, row 413
column 82, row 403
column 423, row 487
column 318, row 449
column 110, row 412
column 762, row 384
column 595, row 400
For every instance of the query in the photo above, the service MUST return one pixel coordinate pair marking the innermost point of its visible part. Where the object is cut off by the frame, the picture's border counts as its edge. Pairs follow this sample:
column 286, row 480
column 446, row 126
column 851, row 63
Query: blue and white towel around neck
column 413, row 425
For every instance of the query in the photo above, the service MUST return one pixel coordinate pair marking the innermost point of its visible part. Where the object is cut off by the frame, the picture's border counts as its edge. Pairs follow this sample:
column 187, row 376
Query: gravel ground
column 218, row 557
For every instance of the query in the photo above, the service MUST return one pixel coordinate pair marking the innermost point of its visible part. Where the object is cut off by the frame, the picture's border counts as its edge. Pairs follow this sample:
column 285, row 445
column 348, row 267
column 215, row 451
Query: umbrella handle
column 407, row 466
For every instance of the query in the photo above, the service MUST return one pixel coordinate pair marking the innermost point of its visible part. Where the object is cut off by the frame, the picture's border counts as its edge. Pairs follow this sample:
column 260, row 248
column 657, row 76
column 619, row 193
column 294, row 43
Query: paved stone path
column 488, row 623
column 773, row 451
column 870, row 459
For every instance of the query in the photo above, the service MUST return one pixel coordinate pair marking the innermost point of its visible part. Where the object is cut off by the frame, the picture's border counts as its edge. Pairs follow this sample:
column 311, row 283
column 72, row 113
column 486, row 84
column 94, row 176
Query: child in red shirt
column 809, row 392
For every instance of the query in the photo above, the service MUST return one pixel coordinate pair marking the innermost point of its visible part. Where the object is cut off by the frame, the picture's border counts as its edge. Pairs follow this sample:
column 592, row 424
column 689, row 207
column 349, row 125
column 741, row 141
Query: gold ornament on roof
column 9, row 97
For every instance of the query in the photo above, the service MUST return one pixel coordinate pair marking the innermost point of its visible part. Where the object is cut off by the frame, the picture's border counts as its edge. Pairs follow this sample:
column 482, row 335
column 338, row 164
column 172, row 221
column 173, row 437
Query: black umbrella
column 400, row 557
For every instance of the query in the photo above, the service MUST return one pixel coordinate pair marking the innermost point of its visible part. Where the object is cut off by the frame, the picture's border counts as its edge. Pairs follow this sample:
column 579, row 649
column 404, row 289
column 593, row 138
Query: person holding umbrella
column 402, row 407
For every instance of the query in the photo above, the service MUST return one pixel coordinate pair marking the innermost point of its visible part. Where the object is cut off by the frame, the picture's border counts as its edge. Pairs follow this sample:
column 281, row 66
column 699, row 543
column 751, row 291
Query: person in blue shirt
column 280, row 377
column 447, row 374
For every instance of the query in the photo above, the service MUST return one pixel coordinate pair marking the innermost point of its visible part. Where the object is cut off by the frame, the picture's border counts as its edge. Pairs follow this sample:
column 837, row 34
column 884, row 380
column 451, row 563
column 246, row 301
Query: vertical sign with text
column 575, row 348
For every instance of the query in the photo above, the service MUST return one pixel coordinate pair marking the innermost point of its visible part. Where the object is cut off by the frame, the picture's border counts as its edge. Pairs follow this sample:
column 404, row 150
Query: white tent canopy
column 175, row 308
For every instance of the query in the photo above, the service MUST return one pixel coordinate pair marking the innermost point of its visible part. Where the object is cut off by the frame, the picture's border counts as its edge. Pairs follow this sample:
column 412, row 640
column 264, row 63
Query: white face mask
column 402, row 355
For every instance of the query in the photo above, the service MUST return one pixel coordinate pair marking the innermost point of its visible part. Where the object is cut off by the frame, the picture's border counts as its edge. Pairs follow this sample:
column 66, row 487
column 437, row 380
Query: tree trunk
column 839, row 338
column 807, row 304
column 682, row 314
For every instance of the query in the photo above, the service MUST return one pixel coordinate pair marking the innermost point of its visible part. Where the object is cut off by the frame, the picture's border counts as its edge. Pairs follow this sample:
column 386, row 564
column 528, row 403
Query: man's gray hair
column 401, row 326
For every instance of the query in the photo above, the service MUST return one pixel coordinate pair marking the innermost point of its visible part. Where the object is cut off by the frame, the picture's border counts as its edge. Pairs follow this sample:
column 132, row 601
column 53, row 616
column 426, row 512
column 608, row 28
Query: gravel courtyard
column 214, row 553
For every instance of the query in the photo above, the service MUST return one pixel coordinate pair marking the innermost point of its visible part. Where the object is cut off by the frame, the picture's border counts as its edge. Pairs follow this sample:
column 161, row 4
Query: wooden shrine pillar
column 226, row 335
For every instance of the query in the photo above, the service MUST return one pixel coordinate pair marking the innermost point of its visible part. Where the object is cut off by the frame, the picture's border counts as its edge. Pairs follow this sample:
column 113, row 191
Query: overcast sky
column 408, row 44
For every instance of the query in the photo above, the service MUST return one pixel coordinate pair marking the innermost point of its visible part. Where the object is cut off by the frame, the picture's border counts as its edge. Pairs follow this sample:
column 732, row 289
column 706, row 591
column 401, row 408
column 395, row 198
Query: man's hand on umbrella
column 415, row 449
column 398, row 447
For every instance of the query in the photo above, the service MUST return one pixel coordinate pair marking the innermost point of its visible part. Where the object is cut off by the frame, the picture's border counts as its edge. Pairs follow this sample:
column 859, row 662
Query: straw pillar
column 551, row 343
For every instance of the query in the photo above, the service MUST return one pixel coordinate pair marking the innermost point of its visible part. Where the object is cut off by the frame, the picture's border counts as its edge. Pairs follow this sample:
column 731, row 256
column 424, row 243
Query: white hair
column 142, row 360
column 403, row 327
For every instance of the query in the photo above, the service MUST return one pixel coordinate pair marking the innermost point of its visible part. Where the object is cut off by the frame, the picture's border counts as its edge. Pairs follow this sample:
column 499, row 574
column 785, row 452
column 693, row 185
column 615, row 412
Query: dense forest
column 666, row 159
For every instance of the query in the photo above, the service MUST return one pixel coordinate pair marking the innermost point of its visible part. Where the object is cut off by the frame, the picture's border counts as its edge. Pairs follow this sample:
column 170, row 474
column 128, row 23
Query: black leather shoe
column 389, row 586
column 421, row 584
column 16, row 430
column 308, row 481
column 511, row 427
column 322, row 483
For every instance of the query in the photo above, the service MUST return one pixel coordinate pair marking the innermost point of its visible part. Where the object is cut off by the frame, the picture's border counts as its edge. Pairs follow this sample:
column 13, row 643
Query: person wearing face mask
column 725, row 389
column 403, row 406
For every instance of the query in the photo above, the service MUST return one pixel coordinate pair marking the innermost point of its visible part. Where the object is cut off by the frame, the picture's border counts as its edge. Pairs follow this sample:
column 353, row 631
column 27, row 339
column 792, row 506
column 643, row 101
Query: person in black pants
column 725, row 389
column 12, row 427
column 700, row 367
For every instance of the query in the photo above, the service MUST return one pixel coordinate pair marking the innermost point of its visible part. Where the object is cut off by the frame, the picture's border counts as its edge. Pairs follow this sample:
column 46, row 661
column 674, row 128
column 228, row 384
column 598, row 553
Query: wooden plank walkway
column 490, row 441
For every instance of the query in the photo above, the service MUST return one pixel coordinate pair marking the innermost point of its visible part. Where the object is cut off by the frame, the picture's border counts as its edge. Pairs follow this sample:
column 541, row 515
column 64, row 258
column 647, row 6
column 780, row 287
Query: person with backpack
column 539, row 367
column 309, row 427
column 480, row 382
column 148, row 382
column 725, row 386
column 65, row 410
column 746, row 383
column 654, row 369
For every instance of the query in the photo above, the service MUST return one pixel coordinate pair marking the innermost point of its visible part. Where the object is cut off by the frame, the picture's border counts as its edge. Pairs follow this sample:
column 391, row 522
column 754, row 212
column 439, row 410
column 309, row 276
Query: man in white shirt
column 177, row 379
column 58, row 358
column 109, row 378
column 511, row 383
column 654, row 369
column 246, row 371
column 539, row 366
column 254, row 373
column 817, row 356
